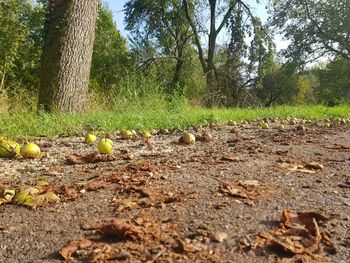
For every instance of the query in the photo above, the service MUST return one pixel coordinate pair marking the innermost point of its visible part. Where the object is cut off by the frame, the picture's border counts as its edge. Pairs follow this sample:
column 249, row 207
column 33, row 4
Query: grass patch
column 148, row 114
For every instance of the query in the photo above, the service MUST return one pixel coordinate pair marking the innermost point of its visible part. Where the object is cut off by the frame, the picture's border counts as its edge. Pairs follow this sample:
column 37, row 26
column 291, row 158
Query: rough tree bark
column 67, row 53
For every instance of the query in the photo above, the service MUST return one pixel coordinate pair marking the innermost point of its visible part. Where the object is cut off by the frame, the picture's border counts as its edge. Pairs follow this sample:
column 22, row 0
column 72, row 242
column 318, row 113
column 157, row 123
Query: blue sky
column 117, row 8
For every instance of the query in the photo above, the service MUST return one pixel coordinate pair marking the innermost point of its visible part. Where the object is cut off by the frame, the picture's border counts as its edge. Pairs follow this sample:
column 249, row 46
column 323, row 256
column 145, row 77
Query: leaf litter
column 301, row 237
column 153, row 184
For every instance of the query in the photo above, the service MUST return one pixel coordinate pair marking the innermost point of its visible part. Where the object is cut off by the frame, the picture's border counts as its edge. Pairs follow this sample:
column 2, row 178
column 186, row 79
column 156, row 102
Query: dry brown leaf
column 296, row 168
column 337, row 147
column 235, row 192
column 204, row 137
column 232, row 158
column 125, row 204
column 249, row 183
column 95, row 185
column 68, row 251
column 299, row 235
column 90, row 158
column 188, row 246
column 116, row 228
column 314, row 166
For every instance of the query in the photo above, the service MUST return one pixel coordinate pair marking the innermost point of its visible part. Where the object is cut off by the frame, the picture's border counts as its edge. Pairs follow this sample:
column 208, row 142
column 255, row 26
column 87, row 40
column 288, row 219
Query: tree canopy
column 315, row 28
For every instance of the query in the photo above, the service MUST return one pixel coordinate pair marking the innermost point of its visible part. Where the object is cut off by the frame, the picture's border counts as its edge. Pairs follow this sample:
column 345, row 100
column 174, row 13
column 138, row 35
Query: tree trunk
column 67, row 53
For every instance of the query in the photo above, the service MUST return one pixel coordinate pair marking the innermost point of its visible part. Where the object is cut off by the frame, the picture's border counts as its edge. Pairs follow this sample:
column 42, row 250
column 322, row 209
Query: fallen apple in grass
column 188, row 138
column 30, row 151
column 232, row 123
column 280, row 127
column 9, row 149
column 105, row 146
column 146, row 134
column 127, row 135
column 90, row 138
column 264, row 125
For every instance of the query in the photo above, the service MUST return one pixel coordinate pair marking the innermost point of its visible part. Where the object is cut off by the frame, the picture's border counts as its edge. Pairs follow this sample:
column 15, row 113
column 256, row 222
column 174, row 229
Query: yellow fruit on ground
column 188, row 138
column 90, row 138
column 31, row 151
column 107, row 140
column 126, row 134
column 232, row 123
column 280, row 127
column 146, row 134
column 264, row 125
column 9, row 149
column 104, row 146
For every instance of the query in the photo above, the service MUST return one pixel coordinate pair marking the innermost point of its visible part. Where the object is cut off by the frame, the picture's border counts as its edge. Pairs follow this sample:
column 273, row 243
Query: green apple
column 188, row 138
column 280, row 127
column 126, row 134
column 9, row 149
column 30, row 151
column 90, row 138
column 107, row 140
column 292, row 121
column 232, row 123
column 146, row 134
column 264, row 125
column 104, row 146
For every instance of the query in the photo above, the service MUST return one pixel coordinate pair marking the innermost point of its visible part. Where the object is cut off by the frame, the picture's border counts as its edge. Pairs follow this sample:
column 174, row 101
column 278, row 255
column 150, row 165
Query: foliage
column 20, row 44
column 110, row 59
column 246, row 49
column 315, row 27
column 278, row 86
column 334, row 82
column 164, row 43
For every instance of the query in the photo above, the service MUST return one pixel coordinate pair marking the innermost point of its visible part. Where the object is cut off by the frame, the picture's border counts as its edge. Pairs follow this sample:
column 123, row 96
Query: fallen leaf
column 204, row 137
column 232, row 158
column 314, row 165
column 253, row 183
column 125, row 204
column 188, row 246
column 306, row 171
column 90, row 158
column 68, row 251
column 219, row 237
column 299, row 236
column 116, row 228
column 337, row 147
column 95, row 185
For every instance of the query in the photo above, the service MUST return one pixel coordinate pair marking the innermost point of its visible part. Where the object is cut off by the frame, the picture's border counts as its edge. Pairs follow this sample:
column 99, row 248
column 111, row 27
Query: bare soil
column 163, row 201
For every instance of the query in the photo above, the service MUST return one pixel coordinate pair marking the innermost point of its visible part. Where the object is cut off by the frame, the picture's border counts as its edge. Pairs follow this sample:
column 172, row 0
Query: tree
column 67, row 53
column 315, row 28
column 279, row 85
column 110, row 58
column 334, row 82
column 167, row 38
column 13, row 34
column 237, row 17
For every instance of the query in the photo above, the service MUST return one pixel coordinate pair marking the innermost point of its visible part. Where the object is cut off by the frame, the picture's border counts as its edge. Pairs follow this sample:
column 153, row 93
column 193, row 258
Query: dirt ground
column 162, row 201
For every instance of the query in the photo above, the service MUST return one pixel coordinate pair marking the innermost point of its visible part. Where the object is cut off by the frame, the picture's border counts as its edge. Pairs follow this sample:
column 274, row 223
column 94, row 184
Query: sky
column 116, row 6
column 117, row 9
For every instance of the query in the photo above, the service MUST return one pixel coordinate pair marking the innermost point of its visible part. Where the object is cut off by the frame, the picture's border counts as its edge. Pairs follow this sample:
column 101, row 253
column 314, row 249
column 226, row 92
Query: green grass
column 147, row 115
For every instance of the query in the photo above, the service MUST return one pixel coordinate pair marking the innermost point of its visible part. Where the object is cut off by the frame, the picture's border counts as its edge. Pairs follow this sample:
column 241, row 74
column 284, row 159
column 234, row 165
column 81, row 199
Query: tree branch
column 226, row 17
column 196, row 36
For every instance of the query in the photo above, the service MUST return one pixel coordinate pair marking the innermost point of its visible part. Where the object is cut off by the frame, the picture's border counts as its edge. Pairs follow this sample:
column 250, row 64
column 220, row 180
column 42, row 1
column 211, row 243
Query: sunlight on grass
column 148, row 115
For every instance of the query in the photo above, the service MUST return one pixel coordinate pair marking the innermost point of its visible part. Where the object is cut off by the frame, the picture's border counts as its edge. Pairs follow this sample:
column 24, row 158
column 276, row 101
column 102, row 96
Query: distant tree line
column 215, row 53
